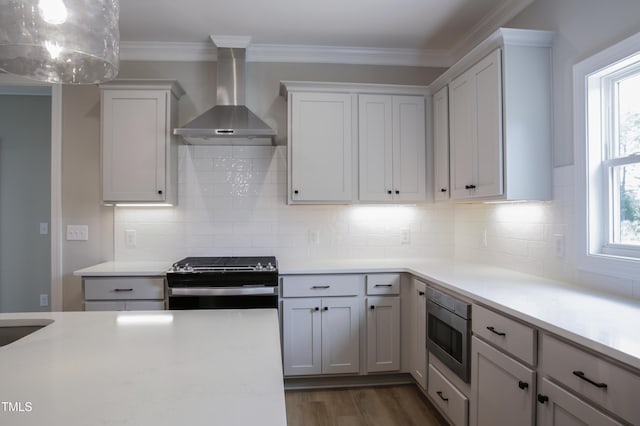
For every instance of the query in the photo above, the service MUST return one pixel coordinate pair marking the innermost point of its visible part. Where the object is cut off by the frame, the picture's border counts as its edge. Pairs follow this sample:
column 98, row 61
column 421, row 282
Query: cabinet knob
column 443, row 189
column 542, row 398
column 523, row 385
column 372, row 307
column 469, row 187
column 295, row 191
column 421, row 293
column 397, row 192
column 316, row 308
column 326, row 308
column 389, row 192
column 160, row 191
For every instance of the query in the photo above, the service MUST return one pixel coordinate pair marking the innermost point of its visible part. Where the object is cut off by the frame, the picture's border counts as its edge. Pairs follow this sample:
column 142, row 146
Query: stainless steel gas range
column 223, row 283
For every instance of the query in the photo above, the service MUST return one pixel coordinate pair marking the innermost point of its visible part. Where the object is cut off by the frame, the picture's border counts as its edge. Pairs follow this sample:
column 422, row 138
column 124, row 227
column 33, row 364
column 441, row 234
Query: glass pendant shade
column 60, row 41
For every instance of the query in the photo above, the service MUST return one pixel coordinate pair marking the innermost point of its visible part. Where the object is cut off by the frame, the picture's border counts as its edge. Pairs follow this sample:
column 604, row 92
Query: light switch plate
column 77, row 232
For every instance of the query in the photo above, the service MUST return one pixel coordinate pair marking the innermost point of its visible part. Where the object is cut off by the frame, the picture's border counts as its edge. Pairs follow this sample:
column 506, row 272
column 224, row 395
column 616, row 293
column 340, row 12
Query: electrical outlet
column 44, row 300
column 558, row 245
column 130, row 238
column 405, row 236
column 485, row 242
column 314, row 237
column 44, row 228
column 77, row 232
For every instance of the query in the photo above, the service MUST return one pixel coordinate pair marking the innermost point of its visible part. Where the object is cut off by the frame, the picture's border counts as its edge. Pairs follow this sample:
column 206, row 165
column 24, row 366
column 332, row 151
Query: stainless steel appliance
column 449, row 331
column 223, row 283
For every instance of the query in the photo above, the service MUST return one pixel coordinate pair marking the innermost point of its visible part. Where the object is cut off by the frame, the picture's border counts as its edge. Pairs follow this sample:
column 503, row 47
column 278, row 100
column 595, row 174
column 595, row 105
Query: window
column 607, row 148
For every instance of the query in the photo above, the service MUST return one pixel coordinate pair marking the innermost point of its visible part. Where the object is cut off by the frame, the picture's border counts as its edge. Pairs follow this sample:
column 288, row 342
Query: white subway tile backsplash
column 232, row 201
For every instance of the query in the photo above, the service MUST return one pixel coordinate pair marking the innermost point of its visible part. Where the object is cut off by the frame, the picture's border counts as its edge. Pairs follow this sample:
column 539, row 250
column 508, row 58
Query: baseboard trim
column 321, row 382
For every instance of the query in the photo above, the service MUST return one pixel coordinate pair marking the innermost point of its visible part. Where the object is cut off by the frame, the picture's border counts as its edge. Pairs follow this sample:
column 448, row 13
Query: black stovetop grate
column 234, row 261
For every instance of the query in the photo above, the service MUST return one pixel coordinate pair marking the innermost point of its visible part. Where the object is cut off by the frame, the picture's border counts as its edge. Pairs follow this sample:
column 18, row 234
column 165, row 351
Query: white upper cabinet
column 355, row 142
column 139, row 153
column 441, row 144
column 392, row 148
column 320, row 148
column 500, row 118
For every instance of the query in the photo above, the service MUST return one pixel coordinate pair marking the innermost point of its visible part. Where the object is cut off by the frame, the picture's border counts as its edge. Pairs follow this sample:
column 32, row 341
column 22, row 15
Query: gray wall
column 583, row 27
column 81, row 189
column 25, row 200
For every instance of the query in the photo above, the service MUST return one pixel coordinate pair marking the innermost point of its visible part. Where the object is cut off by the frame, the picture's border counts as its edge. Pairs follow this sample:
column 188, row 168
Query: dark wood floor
column 368, row 406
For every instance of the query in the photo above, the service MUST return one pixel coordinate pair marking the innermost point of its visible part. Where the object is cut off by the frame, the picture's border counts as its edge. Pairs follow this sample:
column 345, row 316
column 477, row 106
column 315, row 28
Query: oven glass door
column 223, row 302
column 446, row 337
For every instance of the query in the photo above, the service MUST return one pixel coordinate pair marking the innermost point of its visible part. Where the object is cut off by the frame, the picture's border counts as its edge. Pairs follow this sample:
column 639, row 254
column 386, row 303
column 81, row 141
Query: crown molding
column 206, row 51
column 487, row 25
column 196, row 52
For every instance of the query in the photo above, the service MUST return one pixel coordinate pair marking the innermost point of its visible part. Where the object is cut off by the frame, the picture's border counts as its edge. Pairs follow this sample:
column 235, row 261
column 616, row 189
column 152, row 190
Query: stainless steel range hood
column 230, row 122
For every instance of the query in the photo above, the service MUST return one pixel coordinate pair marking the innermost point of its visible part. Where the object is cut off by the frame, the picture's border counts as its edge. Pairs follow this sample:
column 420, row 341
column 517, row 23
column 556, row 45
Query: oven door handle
column 223, row 291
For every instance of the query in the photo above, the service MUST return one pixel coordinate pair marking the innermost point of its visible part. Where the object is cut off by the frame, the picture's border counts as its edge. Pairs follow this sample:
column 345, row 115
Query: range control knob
column 259, row 267
column 270, row 267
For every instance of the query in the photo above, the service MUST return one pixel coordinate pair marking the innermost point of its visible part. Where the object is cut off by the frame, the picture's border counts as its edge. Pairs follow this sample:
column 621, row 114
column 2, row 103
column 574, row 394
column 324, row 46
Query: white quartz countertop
column 214, row 367
column 603, row 322
column 119, row 268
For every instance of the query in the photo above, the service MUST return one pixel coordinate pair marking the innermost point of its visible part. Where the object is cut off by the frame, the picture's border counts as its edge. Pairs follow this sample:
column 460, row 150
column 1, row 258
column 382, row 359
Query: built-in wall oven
column 449, row 331
column 223, row 283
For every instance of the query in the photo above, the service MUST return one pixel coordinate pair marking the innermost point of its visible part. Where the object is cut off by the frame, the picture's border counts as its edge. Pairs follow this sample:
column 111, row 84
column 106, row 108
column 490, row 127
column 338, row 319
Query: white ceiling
column 433, row 31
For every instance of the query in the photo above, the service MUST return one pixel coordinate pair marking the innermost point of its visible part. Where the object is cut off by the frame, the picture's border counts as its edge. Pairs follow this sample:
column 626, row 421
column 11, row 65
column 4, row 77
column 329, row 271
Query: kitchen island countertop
column 144, row 368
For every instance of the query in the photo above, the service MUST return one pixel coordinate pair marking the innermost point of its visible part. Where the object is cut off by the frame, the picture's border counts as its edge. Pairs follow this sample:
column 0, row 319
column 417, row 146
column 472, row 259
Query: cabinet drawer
column 383, row 284
column 513, row 337
column 596, row 379
column 321, row 285
column 108, row 305
column 446, row 396
column 123, row 288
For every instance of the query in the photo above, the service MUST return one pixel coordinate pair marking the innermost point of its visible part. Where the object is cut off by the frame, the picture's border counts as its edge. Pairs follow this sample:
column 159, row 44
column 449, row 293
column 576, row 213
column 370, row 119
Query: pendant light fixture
column 60, row 41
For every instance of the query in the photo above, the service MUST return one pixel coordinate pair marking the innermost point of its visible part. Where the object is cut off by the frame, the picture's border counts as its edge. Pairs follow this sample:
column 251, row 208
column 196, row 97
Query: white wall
column 25, row 199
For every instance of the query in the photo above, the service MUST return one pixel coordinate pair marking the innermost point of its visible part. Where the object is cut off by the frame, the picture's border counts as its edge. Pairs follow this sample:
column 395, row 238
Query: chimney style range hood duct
column 230, row 122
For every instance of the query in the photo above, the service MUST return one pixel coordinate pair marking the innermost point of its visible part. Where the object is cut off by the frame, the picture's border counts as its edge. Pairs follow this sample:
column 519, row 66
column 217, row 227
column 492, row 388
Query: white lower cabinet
column 453, row 403
column 321, row 335
column 557, row 407
column 503, row 390
column 418, row 325
column 383, row 333
column 137, row 293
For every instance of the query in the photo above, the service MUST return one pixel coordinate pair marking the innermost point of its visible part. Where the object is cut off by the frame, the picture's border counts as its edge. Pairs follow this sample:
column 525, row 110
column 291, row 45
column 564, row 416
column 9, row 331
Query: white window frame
column 592, row 195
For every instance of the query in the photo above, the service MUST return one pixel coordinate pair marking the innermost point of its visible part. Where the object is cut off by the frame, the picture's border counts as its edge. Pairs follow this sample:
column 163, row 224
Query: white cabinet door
column 301, row 329
column 488, row 84
column 476, row 130
column 418, row 336
column 409, row 148
column 557, row 407
column 375, row 128
column 320, row 143
column 441, row 144
column 340, row 335
column 392, row 145
column 383, row 333
column 134, row 142
column 503, row 389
